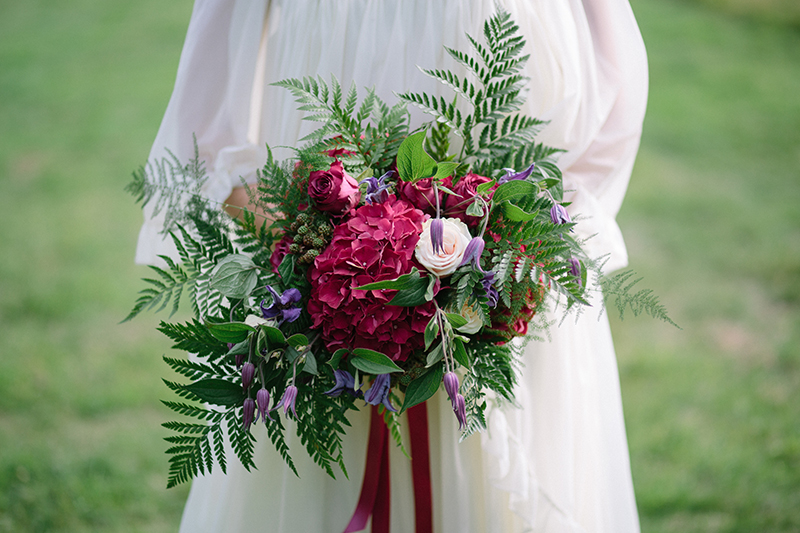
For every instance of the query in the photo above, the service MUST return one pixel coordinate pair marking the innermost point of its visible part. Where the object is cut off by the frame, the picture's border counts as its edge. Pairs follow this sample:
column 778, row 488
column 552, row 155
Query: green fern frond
column 621, row 287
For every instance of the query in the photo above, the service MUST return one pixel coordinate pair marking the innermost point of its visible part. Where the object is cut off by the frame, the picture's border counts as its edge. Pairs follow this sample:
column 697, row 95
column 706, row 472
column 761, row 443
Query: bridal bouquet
column 380, row 265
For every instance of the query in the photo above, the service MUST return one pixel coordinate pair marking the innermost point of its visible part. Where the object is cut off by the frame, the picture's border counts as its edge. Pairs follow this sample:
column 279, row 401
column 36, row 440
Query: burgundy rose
column 466, row 188
column 420, row 194
column 377, row 243
column 336, row 152
column 280, row 251
column 333, row 190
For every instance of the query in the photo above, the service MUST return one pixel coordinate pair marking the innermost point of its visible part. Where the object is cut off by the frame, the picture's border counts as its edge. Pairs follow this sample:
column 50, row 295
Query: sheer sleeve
column 212, row 100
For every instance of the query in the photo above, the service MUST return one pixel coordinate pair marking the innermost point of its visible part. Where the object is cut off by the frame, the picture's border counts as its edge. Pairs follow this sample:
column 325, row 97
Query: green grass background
column 711, row 220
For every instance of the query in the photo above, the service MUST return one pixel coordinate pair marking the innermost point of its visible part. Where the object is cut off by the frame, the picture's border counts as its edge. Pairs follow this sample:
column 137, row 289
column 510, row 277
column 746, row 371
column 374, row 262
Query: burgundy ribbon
column 421, row 467
column 375, row 497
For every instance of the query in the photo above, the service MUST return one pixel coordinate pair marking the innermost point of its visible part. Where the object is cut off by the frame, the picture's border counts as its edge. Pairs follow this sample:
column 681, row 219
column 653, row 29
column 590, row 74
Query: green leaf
column 435, row 355
column 483, row 187
column 517, row 214
column 445, row 190
column 429, row 291
column 291, row 354
column 402, row 282
column 445, row 169
column 241, row 348
column 275, row 337
column 460, row 353
column 513, row 190
column 217, row 392
column 474, row 209
column 373, row 362
column 423, row 387
column 286, row 269
column 310, row 365
column 431, row 331
column 235, row 276
column 337, row 357
column 413, row 163
column 298, row 339
column 456, row 320
column 233, row 332
column 416, row 294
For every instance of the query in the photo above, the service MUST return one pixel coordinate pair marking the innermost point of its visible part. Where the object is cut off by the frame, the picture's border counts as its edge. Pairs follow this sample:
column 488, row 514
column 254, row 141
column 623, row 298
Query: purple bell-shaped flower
column 559, row 215
column 248, row 371
column 344, row 381
column 248, row 410
column 437, row 235
column 262, row 401
column 451, row 386
column 575, row 269
column 473, row 253
column 460, row 409
column 288, row 401
column 379, row 392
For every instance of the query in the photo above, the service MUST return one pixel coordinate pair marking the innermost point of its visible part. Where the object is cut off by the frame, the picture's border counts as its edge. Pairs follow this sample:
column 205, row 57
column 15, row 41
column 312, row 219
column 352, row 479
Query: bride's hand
column 238, row 201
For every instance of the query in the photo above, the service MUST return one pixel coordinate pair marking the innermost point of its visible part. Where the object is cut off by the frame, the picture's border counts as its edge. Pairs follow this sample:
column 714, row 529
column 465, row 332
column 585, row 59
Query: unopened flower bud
column 248, row 411
column 262, row 400
column 451, row 386
column 575, row 269
column 437, row 235
column 460, row 409
column 248, row 371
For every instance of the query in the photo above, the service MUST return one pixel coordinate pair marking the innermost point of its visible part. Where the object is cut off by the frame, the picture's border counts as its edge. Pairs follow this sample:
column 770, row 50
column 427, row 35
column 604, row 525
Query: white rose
column 474, row 320
column 455, row 237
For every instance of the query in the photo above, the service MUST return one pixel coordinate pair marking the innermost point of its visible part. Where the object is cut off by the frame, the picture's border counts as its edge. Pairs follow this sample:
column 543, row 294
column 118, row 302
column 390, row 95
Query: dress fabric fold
column 557, row 463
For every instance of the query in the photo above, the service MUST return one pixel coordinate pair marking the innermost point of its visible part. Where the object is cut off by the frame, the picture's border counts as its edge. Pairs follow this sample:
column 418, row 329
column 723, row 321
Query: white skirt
column 560, row 462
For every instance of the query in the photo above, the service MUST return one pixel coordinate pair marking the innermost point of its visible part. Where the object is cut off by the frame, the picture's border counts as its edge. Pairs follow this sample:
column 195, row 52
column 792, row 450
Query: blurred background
column 711, row 220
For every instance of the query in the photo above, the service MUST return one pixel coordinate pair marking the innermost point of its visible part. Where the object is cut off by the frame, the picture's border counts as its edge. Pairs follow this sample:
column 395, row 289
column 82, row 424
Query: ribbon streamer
column 375, row 497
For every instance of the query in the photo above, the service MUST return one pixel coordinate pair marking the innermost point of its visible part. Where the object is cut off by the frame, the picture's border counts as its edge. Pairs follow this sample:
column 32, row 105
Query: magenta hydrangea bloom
column 376, row 243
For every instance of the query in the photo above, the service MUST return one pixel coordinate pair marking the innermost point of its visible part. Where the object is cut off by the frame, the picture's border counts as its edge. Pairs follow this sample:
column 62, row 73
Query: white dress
column 558, row 464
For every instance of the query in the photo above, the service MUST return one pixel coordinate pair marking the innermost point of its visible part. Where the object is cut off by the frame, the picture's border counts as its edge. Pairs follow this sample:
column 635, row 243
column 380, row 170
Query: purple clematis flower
column 262, row 400
column 491, row 290
column 284, row 306
column 248, row 371
column 575, row 269
column 559, row 215
column 248, row 410
column 512, row 174
column 473, row 253
column 344, row 382
column 460, row 409
column 288, row 401
column 379, row 392
column 451, row 386
column 437, row 235
column 377, row 188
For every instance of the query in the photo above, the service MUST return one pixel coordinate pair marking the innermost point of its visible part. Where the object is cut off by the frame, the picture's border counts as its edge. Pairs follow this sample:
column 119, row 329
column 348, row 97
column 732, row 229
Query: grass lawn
column 711, row 221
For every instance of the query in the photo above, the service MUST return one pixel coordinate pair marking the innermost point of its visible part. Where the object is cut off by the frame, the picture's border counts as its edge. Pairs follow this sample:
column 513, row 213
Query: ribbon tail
column 383, row 500
column 421, row 467
column 377, row 455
